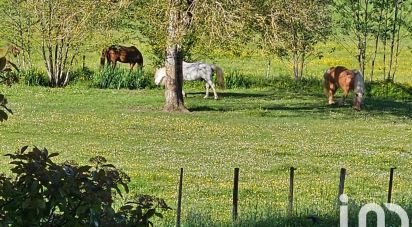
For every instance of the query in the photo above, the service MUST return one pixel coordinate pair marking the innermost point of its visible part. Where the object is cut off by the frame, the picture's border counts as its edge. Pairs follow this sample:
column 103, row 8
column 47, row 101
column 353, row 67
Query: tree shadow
column 229, row 94
column 386, row 106
column 306, row 103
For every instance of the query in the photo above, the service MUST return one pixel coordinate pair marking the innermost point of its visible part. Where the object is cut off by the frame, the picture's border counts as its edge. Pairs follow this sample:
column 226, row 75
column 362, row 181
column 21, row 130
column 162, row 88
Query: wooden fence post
column 341, row 183
column 291, row 188
column 390, row 184
column 235, row 194
column 179, row 199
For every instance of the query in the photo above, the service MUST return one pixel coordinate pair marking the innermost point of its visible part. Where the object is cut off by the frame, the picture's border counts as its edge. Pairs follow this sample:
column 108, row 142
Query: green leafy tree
column 291, row 29
column 374, row 26
column 58, row 29
column 176, row 24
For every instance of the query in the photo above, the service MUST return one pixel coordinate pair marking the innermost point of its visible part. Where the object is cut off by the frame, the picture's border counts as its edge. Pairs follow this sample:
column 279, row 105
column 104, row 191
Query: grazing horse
column 115, row 53
column 347, row 80
column 196, row 71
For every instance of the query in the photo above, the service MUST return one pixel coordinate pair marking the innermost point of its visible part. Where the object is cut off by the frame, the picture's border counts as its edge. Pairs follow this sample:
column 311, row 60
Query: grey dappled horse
column 196, row 71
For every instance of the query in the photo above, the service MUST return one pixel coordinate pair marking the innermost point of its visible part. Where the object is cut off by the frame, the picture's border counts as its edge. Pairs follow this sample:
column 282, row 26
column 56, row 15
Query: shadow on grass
column 269, row 219
column 386, row 106
column 303, row 103
column 229, row 94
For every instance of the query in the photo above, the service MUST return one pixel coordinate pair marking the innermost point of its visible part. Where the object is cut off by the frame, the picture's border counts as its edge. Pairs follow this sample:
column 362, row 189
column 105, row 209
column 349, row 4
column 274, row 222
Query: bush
column 43, row 193
column 389, row 89
column 34, row 77
column 8, row 77
column 81, row 74
column 121, row 78
column 237, row 80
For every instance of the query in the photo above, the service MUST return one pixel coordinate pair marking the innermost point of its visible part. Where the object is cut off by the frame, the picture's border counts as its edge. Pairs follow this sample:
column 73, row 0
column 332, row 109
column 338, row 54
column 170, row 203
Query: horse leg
column 331, row 93
column 345, row 94
column 132, row 66
column 213, row 88
column 207, row 90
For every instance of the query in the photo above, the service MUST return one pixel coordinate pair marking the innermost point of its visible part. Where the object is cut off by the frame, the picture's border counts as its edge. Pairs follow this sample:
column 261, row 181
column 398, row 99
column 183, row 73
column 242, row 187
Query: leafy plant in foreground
column 3, row 108
column 44, row 193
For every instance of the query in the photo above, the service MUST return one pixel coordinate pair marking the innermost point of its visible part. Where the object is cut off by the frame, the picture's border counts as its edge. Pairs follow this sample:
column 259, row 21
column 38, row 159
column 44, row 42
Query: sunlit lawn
column 263, row 132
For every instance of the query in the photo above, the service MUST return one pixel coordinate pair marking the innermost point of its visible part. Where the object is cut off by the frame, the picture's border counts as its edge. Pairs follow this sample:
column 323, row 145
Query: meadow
column 263, row 131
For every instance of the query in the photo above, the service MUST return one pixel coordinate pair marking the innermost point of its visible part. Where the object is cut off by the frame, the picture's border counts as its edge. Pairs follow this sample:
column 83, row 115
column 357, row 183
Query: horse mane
column 219, row 75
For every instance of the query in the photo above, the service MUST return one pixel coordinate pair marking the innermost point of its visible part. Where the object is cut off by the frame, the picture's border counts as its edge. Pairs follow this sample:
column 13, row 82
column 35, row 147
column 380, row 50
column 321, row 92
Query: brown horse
column 347, row 80
column 123, row 54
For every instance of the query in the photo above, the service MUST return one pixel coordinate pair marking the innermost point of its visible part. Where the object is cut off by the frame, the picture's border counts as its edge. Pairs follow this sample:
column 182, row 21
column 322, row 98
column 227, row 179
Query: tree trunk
column 268, row 66
column 375, row 52
column 174, row 73
column 393, row 38
column 296, row 66
column 174, row 81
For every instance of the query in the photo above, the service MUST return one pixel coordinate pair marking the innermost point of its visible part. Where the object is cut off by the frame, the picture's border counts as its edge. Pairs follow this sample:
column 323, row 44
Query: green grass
column 263, row 132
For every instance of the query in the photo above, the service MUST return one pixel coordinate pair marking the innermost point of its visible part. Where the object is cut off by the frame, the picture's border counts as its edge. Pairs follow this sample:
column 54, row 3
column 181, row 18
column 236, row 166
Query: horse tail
column 103, row 57
column 219, row 76
column 327, row 80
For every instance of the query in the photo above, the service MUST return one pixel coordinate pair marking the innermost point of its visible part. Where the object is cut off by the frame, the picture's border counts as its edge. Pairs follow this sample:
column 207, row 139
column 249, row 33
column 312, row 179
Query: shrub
column 389, row 89
column 8, row 77
column 81, row 74
column 235, row 79
column 121, row 78
column 43, row 193
column 34, row 77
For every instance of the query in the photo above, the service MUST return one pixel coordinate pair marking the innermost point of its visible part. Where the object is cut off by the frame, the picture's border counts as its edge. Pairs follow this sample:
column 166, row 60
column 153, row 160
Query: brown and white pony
column 346, row 79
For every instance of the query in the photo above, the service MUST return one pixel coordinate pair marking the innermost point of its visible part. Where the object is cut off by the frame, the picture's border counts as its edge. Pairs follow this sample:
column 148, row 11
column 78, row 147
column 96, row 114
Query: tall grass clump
column 235, row 79
column 33, row 77
column 81, row 74
column 114, row 78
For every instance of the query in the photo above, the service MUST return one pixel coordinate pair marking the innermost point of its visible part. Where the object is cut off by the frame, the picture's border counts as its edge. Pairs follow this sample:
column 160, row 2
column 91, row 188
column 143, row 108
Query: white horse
column 196, row 71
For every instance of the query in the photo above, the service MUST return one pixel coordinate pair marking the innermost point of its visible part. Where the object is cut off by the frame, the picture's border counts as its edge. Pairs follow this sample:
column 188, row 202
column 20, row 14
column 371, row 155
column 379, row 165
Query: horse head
column 159, row 75
column 359, row 90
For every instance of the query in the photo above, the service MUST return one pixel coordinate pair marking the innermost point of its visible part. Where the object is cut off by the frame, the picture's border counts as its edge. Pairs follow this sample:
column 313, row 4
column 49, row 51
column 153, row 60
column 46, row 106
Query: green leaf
column 3, row 116
column 23, row 149
column 53, row 155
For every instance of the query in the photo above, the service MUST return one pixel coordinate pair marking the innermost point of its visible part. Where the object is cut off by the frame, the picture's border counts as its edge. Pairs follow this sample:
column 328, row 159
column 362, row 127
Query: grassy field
column 262, row 131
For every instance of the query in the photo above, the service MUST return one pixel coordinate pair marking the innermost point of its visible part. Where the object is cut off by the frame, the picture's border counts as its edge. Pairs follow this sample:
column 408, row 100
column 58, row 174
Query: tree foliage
column 291, row 29
column 374, row 26
column 58, row 29
column 213, row 24
column 175, row 26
